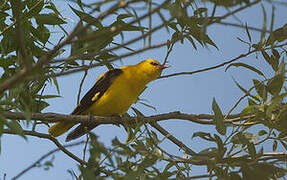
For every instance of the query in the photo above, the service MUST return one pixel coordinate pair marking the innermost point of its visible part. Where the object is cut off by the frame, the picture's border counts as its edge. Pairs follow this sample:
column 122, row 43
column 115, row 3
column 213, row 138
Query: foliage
column 32, row 57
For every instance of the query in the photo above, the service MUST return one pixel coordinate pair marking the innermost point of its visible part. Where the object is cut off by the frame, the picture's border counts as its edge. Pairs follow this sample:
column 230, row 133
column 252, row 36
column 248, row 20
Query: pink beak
column 164, row 66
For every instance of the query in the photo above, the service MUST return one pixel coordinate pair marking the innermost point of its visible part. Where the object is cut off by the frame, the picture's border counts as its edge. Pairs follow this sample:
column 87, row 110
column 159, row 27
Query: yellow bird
column 113, row 94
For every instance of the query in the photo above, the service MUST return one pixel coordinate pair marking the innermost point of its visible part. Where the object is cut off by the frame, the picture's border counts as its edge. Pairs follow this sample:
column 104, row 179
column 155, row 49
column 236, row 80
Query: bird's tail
column 80, row 131
column 60, row 128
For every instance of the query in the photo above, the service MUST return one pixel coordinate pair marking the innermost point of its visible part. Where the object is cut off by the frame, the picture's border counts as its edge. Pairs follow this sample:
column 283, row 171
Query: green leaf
column 8, row 43
column 199, row 11
column 46, row 96
column 260, row 89
column 275, row 104
column 234, row 176
column 262, row 132
column 80, row 4
column 244, row 90
column 274, row 147
column 250, row 137
column 176, row 10
column 281, row 69
column 284, row 144
column 49, row 19
column 207, row 40
column 14, row 126
column 173, row 25
column 191, row 41
column 262, row 171
column 36, row 5
column 55, row 81
column 248, row 34
column 2, row 122
column 208, row 152
column 275, row 84
column 246, row 66
column 272, row 61
column 244, row 138
column 124, row 16
column 41, row 33
column 138, row 113
column 168, row 166
column 148, row 161
column 251, row 102
column 218, row 117
column 87, row 18
column 279, row 35
column 264, row 28
column 203, row 135
column 221, row 149
column 148, row 105
column 126, row 27
column 251, row 150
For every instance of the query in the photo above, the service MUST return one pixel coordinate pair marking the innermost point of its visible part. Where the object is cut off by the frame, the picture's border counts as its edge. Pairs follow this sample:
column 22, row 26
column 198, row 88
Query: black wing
column 98, row 89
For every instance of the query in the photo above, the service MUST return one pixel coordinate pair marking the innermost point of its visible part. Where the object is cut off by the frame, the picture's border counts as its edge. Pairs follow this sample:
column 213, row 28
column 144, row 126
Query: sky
column 187, row 94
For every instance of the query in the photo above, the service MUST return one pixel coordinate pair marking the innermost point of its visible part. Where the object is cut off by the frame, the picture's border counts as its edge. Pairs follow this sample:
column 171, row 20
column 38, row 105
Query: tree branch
column 43, row 157
column 46, row 136
column 205, row 119
column 10, row 82
column 241, row 26
column 173, row 139
column 222, row 64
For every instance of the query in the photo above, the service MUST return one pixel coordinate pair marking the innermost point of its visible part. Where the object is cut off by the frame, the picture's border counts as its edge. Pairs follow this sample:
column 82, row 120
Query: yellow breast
column 122, row 93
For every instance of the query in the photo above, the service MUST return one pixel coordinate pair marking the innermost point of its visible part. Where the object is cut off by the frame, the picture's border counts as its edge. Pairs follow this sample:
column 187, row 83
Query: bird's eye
column 153, row 63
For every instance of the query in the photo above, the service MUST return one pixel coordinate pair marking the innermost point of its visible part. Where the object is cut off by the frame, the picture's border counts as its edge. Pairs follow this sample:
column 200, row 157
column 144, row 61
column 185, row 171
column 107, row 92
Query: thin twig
column 168, row 52
column 46, row 136
column 85, row 147
column 239, row 100
column 4, row 3
column 81, row 86
column 259, row 142
column 202, row 176
column 157, row 146
column 34, row 77
column 42, row 158
column 150, row 22
column 173, row 139
column 235, row 11
column 10, row 82
column 241, row 26
column 14, row 22
column 204, row 119
column 222, row 64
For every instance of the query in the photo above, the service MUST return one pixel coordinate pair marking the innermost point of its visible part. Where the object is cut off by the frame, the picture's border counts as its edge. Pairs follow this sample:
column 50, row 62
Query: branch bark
column 44, row 157
column 46, row 136
column 205, row 119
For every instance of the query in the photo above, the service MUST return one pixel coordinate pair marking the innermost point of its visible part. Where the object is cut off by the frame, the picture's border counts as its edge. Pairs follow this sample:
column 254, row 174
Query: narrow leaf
column 246, row 66
column 275, row 84
column 263, row 32
column 251, row 150
column 49, row 19
column 260, row 89
column 218, row 117
column 248, row 34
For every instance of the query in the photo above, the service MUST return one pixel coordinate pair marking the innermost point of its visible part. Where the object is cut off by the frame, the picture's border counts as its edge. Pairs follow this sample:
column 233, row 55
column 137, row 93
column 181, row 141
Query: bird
column 112, row 95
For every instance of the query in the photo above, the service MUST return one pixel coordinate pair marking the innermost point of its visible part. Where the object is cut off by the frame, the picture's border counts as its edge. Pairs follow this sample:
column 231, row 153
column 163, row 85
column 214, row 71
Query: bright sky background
column 188, row 94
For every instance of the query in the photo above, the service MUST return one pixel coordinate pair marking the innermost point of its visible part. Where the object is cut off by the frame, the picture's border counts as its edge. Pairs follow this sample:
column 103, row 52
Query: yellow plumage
column 114, row 92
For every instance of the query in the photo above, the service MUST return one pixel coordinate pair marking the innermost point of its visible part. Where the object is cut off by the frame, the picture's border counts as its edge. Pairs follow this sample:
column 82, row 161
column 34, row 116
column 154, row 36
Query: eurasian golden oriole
column 113, row 94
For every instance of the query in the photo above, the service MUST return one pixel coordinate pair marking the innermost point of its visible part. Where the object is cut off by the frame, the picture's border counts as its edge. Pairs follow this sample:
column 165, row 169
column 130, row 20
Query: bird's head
column 151, row 68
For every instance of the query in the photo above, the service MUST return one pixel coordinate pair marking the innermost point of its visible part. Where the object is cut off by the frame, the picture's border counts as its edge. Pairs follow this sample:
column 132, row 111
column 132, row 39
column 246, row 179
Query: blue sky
column 188, row 94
